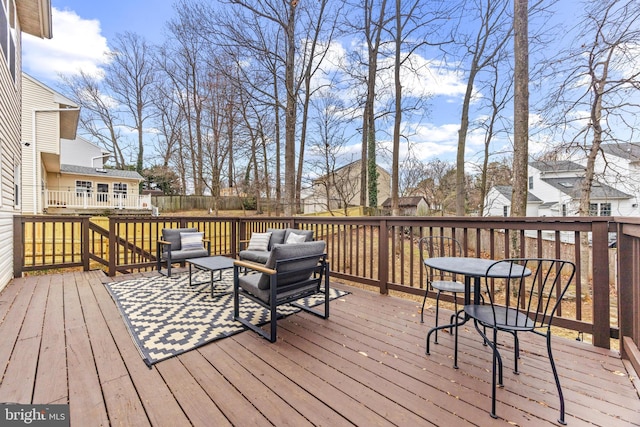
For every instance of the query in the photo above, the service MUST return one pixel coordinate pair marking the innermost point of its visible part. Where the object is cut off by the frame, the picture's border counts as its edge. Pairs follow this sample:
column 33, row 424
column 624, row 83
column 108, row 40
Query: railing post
column 242, row 232
column 383, row 257
column 629, row 292
column 112, row 247
column 85, row 243
column 601, row 297
column 233, row 223
column 18, row 245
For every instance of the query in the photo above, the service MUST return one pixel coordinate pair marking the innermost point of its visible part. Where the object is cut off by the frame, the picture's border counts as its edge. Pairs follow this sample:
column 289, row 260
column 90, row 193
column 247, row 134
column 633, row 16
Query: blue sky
column 82, row 30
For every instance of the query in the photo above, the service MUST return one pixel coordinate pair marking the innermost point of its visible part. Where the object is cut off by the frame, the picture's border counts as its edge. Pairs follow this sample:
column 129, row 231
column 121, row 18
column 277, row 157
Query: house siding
column 622, row 174
column 76, row 152
column 9, row 157
column 349, row 177
column 47, row 126
column 495, row 202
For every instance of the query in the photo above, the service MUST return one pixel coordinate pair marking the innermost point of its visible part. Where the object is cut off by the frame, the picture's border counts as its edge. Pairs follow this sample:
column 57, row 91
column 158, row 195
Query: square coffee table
column 210, row 264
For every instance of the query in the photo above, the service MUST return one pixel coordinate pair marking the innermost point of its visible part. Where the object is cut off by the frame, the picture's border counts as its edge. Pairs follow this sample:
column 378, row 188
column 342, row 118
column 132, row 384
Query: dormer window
column 530, row 183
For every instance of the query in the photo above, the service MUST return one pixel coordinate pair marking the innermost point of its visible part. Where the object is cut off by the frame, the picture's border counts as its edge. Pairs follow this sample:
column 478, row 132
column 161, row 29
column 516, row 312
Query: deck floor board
column 64, row 341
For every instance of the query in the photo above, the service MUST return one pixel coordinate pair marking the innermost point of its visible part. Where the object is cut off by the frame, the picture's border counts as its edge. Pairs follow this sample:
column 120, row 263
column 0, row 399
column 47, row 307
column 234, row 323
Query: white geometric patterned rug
column 167, row 317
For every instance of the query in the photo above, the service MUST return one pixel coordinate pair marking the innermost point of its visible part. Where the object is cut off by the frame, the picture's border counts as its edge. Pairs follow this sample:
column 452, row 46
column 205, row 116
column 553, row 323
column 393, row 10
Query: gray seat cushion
column 172, row 235
column 283, row 252
column 259, row 284
column 250, row 284
column 278, row 236
column 260, row 257
column 182, row 255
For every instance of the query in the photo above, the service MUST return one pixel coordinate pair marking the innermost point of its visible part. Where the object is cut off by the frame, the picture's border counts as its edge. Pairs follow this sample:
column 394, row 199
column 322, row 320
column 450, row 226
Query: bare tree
column 370, row 28
column 500, row 95
column 168, row 120
column 436, row 185
column 99, row 116
column 130, row 76
column 328, row 153
column 483, row 46
column 416, row 24
column 411, row 174
column 283, row 16
column 321, row 27
column 609, row 40
column 182, row 61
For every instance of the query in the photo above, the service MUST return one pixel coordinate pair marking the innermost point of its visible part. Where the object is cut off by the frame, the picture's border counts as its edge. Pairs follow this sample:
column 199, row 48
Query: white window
column 103, row 192
column 83, row 188
column 530, row 183
column 600, row 209
column 120, row 190
column 505, row 210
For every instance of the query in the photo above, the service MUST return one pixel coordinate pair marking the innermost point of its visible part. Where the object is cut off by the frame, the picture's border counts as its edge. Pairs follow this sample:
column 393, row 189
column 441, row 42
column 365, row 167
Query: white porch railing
column 93, row 200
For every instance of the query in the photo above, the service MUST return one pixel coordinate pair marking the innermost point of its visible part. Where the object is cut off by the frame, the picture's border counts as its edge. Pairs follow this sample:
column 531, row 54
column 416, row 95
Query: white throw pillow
column 296, row 238
column 259, row 242
column 191, row 241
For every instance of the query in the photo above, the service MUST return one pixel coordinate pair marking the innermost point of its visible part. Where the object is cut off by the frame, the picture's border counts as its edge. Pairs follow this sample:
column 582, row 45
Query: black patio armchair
column 293, row 271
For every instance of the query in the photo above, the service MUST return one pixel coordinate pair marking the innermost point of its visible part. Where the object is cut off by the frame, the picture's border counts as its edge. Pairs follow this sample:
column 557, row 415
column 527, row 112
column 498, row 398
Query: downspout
column 102, row 156
column 34, row 138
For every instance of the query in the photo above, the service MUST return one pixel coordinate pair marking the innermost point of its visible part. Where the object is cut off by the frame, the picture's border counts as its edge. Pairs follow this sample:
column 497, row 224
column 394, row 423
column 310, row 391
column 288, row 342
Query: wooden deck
column 63, row 341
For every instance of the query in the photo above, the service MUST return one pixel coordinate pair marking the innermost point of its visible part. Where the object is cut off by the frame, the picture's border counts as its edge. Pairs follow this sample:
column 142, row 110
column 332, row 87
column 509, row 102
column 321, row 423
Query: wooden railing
column 95, row 200
column 628, row 284
column 380, row 252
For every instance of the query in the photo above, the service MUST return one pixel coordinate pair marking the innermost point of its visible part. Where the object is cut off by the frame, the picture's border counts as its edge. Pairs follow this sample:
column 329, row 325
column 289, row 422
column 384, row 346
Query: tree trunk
column 521, row 110
column 290, row 118
column 462, row 141
column 395, row 164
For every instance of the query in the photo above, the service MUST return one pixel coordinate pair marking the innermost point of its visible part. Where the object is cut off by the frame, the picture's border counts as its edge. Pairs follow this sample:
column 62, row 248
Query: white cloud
column 421, row 76
column 77, row 44
column 433, row 141
column 424, row 77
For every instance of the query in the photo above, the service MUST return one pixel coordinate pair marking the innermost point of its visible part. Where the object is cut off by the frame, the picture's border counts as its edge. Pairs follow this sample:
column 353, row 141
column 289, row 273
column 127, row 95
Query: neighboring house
column 31, row 17
column 341, row 189
column 498, row 202
column 554, row 190
column 62, row 173
column 619, row 167
column 408, row 206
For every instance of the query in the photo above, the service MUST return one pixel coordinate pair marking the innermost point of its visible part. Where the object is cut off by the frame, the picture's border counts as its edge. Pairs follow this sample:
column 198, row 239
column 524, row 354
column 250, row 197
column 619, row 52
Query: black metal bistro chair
column 440, row 246
column 527, row 302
